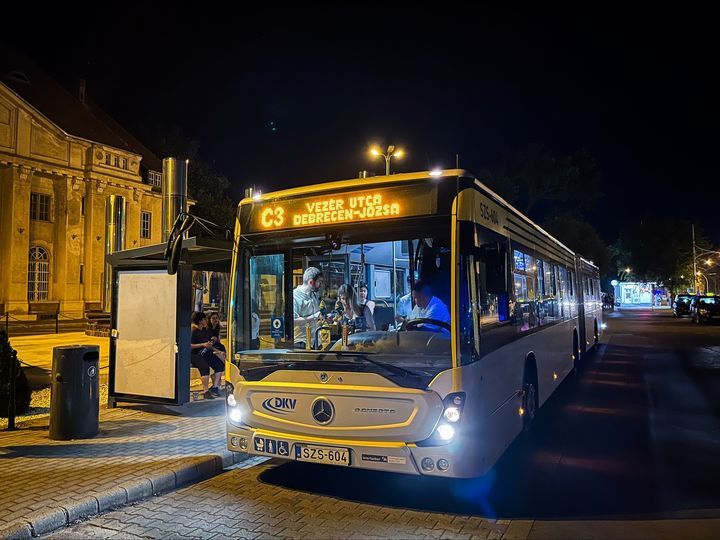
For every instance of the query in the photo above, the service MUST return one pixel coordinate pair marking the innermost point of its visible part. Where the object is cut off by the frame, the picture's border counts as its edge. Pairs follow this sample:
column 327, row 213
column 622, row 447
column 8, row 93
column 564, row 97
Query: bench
column 44, row 310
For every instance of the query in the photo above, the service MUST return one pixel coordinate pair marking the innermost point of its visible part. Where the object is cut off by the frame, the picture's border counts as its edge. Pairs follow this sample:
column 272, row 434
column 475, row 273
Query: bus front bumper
column 394, row 457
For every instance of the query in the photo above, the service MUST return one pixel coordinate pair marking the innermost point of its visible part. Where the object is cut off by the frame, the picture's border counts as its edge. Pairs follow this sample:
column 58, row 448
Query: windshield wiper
column 386, row 365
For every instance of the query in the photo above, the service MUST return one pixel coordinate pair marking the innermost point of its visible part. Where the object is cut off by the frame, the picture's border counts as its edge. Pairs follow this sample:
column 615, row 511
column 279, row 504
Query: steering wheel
column 413, row 324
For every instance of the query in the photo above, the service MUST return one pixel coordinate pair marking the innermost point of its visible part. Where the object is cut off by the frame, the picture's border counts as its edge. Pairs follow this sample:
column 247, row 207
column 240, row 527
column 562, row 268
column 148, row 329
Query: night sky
column 637, row 88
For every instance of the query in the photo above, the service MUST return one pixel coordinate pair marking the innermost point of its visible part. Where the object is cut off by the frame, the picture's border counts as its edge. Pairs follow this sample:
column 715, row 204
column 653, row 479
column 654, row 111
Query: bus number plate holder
column 329, row 455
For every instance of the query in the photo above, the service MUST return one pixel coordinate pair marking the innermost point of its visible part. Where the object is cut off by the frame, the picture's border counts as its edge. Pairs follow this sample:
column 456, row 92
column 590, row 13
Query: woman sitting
column 363, row 297
column 214, row 327
column 359, row 315
column 204, row 355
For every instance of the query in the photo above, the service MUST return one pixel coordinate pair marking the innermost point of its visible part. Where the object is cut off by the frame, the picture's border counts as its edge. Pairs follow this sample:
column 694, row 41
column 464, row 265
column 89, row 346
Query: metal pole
column 394, row 282
column 57, row 317
column 11, row 403
column 7, row 322
column 387, row 165
column 695, row 276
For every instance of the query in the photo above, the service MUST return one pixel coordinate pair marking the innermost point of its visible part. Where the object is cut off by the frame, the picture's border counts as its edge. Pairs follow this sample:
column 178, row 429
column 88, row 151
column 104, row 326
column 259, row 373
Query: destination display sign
column 347, row 207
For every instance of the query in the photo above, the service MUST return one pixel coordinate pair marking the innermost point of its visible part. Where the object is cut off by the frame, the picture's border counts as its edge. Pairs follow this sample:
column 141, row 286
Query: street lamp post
column 707, row 282
column 392, row 152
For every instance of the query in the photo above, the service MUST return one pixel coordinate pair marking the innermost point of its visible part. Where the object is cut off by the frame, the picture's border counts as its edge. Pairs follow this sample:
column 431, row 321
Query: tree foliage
column 581, row 237
column 540, row 183
column 658, row 249
column 555, row 191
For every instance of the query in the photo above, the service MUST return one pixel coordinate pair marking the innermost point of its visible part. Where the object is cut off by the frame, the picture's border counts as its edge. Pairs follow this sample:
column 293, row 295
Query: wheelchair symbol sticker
column 283, row 448
column 277, row 328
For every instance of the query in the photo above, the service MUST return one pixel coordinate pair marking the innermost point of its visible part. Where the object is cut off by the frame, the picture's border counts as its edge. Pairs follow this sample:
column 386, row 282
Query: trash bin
column 75, row 396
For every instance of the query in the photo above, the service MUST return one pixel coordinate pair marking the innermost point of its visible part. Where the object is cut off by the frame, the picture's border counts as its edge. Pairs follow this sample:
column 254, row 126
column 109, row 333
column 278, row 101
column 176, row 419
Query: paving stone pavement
column 240, row 504
column 140, row 450
column 237, row 504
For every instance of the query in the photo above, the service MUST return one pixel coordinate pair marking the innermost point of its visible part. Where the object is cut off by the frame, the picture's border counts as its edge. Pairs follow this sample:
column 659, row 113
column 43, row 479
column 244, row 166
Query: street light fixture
column 392, row 152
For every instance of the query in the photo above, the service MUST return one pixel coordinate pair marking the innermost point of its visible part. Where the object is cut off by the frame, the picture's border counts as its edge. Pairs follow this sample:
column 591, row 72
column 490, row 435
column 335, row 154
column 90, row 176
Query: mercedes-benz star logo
column 322, row 411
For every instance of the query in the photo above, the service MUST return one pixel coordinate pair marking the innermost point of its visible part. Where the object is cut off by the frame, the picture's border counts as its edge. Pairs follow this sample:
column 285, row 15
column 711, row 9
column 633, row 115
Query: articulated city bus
column 478, row 316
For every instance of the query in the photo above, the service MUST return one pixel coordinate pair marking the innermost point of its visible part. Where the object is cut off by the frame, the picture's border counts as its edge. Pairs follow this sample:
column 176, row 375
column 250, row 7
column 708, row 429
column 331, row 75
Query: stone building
column 61, row 158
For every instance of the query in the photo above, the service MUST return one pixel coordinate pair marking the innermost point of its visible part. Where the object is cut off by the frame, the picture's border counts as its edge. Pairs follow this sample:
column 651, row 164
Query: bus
column 479, row 315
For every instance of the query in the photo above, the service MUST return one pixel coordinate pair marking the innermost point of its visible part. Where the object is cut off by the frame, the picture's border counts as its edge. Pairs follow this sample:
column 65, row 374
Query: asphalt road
column 629, row 443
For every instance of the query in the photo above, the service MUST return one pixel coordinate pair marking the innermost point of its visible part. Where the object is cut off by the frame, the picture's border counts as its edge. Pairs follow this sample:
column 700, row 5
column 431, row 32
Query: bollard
column 13, row 390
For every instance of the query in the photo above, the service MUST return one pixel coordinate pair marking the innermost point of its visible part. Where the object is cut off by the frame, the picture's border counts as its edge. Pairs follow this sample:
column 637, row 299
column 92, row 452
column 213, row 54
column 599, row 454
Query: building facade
column 61, row 158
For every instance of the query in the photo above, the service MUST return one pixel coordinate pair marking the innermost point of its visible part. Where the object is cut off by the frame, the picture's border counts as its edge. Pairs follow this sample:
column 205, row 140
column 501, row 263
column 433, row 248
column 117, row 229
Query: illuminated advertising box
column 348, row 207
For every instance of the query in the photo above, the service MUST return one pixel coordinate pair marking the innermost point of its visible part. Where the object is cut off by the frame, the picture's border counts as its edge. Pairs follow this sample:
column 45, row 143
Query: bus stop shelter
column 150, row 319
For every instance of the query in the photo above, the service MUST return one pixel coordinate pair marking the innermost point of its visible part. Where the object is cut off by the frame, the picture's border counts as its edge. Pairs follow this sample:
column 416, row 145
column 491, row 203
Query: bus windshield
column 381, row 307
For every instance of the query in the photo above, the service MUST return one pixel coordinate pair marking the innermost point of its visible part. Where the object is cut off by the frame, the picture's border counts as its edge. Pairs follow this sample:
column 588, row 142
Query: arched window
column 38, row 274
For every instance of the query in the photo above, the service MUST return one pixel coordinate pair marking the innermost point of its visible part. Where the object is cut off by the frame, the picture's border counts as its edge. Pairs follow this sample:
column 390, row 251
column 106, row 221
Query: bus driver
column 428, row 306
column 306, row 304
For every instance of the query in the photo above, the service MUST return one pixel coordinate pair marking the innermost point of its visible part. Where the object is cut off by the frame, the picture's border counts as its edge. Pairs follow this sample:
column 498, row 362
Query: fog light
column 243, row 443
column 231, row 400
column 452, row 414
column 235, row 415
column 235, row 441
column 446, row 432
column 443, row 464
column 427, row 464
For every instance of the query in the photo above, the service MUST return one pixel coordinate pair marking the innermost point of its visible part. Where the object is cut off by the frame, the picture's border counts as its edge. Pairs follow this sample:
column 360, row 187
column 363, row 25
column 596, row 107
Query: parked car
column 681, row 304
column 704, row 308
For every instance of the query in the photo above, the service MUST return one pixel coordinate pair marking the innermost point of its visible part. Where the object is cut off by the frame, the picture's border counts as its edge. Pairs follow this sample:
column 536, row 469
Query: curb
column 49, row 520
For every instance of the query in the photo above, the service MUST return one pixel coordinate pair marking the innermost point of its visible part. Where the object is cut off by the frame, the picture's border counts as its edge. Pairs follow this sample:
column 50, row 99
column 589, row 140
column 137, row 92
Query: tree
column 581, row 237
column 209, row 188
column 8, row 357
column 659, row 249
column 540, row 183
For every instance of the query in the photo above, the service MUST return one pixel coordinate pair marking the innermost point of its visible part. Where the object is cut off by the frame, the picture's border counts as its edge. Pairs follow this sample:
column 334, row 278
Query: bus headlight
column 235, row 415
column 453, row 404
column 445, row 432
column 231, row 401
column 452, row 414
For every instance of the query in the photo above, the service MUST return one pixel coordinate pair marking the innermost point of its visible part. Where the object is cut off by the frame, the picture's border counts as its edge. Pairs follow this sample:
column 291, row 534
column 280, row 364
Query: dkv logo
column 279, row 405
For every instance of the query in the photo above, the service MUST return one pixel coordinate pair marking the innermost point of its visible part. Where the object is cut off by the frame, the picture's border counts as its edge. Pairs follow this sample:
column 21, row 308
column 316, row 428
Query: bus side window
column 492, row 286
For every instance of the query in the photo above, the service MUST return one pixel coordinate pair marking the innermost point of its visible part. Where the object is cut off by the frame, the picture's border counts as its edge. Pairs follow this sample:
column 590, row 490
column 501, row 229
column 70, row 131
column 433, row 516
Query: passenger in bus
column 355, row 313
column 404, row 305
column 214, row 327
column 306, row 305
column 203, row 357
column 362, row 296
column 428, row 306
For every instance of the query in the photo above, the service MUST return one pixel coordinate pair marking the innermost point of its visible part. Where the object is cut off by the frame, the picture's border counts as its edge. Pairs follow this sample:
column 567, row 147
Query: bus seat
column 383, row 316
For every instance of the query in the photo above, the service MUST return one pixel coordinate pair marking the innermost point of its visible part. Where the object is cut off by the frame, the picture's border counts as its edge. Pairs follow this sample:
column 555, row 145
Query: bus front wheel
column 529, row 400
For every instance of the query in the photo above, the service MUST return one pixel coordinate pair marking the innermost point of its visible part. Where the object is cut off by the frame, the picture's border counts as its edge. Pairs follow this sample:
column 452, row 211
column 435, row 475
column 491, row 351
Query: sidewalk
column 140, row 451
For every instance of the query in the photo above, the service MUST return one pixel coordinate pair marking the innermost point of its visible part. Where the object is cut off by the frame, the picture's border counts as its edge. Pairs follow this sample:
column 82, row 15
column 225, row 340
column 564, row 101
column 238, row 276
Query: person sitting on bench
column 203, row 355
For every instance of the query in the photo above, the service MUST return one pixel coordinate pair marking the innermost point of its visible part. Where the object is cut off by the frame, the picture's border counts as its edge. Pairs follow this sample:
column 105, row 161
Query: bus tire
column 530, row 395
column 575, row 352
column 596, row 333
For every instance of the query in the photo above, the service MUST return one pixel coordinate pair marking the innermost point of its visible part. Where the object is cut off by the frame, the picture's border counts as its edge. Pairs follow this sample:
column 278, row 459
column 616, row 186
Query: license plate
column 329, row 455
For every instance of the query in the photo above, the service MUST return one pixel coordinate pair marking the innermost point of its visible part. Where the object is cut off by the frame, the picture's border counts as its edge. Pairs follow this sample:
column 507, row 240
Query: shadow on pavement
column 589, row 455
